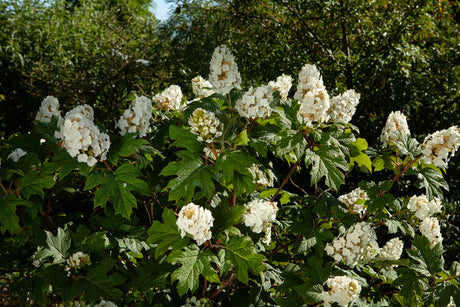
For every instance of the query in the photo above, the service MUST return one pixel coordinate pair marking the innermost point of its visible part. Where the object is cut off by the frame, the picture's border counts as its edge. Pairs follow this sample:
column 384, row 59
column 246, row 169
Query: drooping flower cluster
column 81, row 137
column 205, row 124
column 262, row 179
column 136, row 118
column 259, row 216
column 48, row 109
column 343, row 290
column 440, row 146
column 451, row 302
column 169, row 99
column 16, row 154
column 355, row 201
column 103, row 303
column 312, row 96
column 197, row 221
column 201, row 87
column 194, row 302
column 351, row 246
column 282, row 84
column 255, row 103
column 424, row 208
column 429, row 228
column 343, row 107
column 396, row 121
column 224, row 75
column 78, row 260
column 392, row 250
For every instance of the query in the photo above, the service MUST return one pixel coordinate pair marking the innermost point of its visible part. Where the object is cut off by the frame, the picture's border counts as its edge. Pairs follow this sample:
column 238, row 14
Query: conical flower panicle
column 224, row 75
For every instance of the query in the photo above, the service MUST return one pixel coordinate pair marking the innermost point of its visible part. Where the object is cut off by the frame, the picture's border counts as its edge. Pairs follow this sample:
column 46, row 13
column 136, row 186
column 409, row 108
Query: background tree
column 83, row 52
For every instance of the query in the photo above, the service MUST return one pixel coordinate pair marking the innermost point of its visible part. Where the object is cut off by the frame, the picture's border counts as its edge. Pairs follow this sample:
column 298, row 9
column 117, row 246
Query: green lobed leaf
column 184, row 138
column 241, row 254
column 290, row 141
column 117, row 186
column 327, row 162
column 191, row 173
column 442, row 293
column 9, row 220
column 167, row 234
column 429, row 260
column 378, row 200
column 431, row 179
column 34, row 183
column 101, row 282
column 124, row 146
column 407, row 145
column 225, row 218
column 411, row 285
column 303, row 221
column 317, row 270
column 57, row 246
column 233, row 162
column 193, row 264
column 234, row 166
column 362, row 160
column 61, row 162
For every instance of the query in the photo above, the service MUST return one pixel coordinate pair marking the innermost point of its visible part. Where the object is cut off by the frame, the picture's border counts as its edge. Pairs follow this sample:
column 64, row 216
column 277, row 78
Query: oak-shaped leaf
column 166, row 234
column 327, row 162
column 117, row 187
column 191, row 173
column 193, row 264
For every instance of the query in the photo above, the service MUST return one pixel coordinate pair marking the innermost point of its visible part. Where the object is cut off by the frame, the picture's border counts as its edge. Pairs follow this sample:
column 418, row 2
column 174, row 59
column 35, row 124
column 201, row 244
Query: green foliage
column 57, row 247
column 191, row 172
column 327, row 161
column 240, row 253
column 117, row 186
column 166, row 235
column 193, row 264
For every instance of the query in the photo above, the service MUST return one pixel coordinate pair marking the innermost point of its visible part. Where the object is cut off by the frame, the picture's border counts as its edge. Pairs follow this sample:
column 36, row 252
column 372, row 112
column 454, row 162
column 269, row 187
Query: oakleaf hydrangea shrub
column 236, row 196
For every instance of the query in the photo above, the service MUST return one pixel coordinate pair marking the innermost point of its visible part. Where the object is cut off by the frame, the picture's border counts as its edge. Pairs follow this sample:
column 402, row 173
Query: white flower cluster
column 440, row 146
column 103, row 303
column 224, row 75
column 343, row 290
column 343, row 107
column 196, row 221
column 194, row 302
column 201, row 87
column 205, row 125
column 424, row 208
column 16, row 154
column 81, row 137
column 451, row 302
column 355, row 201
column 48, row 109
column 78, row 260
column 169, row 99
column 396, row 121
column 136, row 118
column 259, row 216
column 429, row 228
column 312, row 96
column 392, row 250
column 282, row 84
column 261, row 178
column 351, row 246
column 255, row 103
